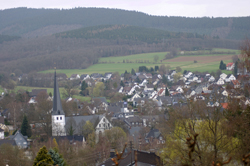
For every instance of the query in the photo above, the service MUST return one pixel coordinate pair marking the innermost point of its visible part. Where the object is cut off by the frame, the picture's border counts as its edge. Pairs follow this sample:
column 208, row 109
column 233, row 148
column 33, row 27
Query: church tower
column 58, row 115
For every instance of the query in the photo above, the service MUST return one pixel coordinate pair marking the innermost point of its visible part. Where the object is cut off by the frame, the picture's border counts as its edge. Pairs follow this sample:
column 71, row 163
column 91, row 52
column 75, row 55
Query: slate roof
column 57, row 105
column 6, row 141
column 154, row 133
column 81, row 120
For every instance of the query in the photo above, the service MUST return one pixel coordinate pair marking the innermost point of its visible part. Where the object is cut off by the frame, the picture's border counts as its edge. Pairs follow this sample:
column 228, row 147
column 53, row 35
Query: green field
column 29, row 89
column 115, row 64
column 133, row 58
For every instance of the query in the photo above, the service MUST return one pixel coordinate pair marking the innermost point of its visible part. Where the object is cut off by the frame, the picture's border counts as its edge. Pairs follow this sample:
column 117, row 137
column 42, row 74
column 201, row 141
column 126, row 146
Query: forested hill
column 113, row 32
column 41, row 22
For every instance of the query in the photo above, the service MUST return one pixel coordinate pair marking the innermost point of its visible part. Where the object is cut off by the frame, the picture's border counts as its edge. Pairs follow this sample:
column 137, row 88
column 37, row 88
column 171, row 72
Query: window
column 104, row 120
column 99, row 125
column 56, row 118
column 108, row 124
column 60, row 118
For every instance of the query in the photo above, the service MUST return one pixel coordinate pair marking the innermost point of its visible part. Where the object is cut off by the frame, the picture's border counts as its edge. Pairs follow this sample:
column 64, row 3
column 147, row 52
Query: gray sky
column 188, row 8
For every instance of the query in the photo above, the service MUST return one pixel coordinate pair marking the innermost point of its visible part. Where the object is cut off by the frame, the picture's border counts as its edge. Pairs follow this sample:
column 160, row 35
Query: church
column 61, row 124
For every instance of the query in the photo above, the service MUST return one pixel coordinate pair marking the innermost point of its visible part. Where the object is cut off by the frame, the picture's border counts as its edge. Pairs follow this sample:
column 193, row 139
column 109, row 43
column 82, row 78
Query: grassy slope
column 114, row 64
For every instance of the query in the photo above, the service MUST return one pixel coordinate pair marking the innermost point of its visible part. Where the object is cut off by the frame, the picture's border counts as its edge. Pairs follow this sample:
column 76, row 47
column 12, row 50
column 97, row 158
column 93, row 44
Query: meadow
column 205, row 62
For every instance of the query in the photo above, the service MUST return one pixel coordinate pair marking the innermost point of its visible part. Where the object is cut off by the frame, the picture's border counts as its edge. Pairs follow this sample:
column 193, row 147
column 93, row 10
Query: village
column 141, row 109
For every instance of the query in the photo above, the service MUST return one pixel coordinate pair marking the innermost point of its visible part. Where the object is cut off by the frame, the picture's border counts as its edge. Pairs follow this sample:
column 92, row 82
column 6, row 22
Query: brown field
column 200, row 59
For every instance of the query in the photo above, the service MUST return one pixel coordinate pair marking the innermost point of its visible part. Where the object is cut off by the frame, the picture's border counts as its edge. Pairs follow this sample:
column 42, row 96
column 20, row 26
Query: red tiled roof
column 230, row 64
column 224, row 105
column 235, row 82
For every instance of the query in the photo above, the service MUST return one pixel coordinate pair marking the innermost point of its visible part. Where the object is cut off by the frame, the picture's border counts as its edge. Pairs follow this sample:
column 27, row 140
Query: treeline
column 114, row 32
column 21, row 21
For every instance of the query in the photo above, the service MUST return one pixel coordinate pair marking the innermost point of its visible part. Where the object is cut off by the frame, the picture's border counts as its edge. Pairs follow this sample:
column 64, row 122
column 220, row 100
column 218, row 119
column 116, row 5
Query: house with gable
column 223, row 76
column 154, row 135
column 220, row 81
column 100, row 103
column 20, row 140
column 74, row 77
column 230, row 66
column 84, row 76
column 229, row 78
column 235, row 84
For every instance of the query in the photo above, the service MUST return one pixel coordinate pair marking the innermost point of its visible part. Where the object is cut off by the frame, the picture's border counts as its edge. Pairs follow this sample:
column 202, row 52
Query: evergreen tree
column 84, row 86
column 43, row 158
column 156, row 68
column 25, row 128
column 235, row 68
column 57, row 157
column 133, row 72
column 122, row 84
column 166, row 92
column 221, row 64
column 164, row 79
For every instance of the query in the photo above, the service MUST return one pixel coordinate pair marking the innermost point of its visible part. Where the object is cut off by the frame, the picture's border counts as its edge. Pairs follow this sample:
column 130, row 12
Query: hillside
column 42, row 22
column 81, row 48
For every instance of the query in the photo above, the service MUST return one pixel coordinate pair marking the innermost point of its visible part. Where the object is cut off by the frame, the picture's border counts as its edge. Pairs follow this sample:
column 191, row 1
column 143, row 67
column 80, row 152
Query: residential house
column 74, row 77
column 220, row 81
column 100, row 103
column 100, row 123
column 211, row 79
column 96, row 76
column 20, row 140
column 154, row 135
column 84, row 76
column 230, row 66
column 107, row 76
column 229, row 78
column 235, row 84
column 223, row 76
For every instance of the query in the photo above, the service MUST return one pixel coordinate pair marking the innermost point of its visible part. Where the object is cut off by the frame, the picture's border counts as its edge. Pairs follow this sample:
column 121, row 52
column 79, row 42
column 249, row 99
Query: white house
column 220, row 81
column 74, row 77
column 223, row 76
column 230, row 66
column 211, row 79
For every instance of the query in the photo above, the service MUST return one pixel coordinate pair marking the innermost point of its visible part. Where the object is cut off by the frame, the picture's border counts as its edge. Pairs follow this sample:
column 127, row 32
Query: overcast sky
column 188, row 8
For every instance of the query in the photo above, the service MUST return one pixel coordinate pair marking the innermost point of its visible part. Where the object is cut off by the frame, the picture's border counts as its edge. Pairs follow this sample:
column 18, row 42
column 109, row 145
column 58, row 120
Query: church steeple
column 57, row 105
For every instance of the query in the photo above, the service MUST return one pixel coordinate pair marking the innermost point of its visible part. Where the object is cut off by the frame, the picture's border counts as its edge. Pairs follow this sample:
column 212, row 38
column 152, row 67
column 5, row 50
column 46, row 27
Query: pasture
column 205, row 62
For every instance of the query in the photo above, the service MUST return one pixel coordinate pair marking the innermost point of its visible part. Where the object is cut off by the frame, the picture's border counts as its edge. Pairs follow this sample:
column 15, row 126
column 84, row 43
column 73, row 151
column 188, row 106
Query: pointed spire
column 57, row 105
